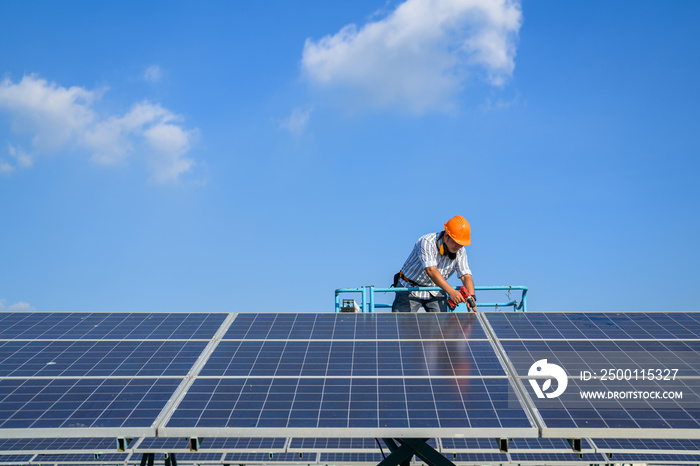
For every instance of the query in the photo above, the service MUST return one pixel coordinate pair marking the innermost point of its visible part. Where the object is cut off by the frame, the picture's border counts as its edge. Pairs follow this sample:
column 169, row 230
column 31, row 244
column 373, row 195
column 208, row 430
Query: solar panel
column 545, row 445
column 648, row 445
column 414, row 358
column 27, row 406
column 57, row 445
column 595, row 325
column 239, row 405
column 114, row 326
column 469, row 445
column 291, row 384
column 246, row 458
column 380, row 326
column 89, row 358
column 549, row 458
column 350, row 458
column 81, row 458
column 342, row 445
column 654, row 458
column 210, row 444
column 478, row 458
column 603, row 358
column 15, row 459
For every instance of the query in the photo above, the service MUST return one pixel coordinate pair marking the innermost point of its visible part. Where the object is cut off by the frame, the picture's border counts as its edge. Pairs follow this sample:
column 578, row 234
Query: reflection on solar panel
column 451, row 358
column 367, row 403
column 387, row 326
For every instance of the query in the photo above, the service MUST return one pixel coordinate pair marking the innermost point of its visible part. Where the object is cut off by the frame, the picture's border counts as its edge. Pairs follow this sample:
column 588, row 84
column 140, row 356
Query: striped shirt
column 425, row 254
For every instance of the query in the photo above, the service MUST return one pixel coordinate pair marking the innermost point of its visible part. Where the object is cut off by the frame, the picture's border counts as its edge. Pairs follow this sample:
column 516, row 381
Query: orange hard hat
column 459, row 230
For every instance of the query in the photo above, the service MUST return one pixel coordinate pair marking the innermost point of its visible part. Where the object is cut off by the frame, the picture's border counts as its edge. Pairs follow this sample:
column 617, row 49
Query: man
column 435, row 257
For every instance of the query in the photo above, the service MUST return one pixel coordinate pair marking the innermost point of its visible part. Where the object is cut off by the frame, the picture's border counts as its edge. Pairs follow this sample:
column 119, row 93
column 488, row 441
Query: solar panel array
column 322, row 388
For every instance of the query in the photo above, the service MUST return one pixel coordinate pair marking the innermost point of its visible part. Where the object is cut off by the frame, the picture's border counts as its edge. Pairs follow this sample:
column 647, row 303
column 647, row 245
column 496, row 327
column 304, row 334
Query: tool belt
column 405, row 278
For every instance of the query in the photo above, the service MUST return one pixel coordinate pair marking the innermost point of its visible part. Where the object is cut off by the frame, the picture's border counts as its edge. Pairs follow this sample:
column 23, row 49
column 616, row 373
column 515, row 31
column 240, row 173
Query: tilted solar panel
column 648, row 445
column 604, row 358
column 595, row 325
column 606, row 374
column 107, row 325
column 313, row 404
column 413, row 358
column 57, row 445
column 343, row 326
column 82, row 407
column 90, row 358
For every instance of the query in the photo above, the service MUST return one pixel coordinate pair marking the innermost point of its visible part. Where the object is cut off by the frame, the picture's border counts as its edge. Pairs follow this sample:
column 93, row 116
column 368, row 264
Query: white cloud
column 57, row 118
column 19, row 306
column 20, row 158
column 421, row 55
column 153, row 74
column 297, row 122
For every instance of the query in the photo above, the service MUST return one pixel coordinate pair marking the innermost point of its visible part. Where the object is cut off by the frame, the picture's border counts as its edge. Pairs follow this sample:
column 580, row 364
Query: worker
column 435, row 257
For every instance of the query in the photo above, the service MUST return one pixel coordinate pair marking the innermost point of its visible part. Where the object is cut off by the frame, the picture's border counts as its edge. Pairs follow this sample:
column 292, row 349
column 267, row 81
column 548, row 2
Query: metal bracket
column 401, row 455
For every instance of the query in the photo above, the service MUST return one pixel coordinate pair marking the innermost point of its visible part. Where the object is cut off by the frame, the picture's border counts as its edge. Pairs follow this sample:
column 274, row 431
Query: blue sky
column 255, row 156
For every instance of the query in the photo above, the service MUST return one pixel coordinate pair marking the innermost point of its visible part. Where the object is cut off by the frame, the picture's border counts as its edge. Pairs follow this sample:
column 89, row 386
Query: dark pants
column 404, row 302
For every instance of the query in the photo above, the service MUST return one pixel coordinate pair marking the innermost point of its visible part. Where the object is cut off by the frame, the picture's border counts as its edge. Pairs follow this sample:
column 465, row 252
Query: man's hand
column 471, row 302
column 455, row 296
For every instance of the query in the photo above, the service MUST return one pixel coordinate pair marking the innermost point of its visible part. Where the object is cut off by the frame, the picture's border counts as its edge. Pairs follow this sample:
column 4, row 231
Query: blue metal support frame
column 369, row 304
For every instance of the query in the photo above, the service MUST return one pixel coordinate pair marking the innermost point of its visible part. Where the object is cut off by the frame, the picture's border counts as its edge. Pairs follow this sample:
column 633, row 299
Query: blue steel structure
column 369, row 304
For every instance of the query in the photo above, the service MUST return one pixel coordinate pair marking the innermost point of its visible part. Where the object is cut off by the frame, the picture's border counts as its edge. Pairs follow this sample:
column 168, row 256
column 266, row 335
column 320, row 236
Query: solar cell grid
column 611, row 326
column 82, row 403
column 570, row 410
column 241, row 458
column 81, row 457
column 544, row 444
column 654, row 457
column 457, row 444
column 359, row 358
column 382, row 326
column 48, row 444
column 548, row 458
column 336, row 444
column 82, row 358
column 667, row 445
column 479, row 458
column 350, row 403
column 117, row 326
column 15, row 459
column 352, row 458
column 602, row 355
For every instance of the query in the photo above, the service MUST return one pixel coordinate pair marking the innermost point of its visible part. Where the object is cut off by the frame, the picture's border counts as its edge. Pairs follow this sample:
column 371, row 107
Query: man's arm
column 440, row 281
column 469, row 284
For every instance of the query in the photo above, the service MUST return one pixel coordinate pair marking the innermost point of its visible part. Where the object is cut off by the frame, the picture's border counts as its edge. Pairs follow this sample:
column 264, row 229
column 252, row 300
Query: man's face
column 452, row 244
